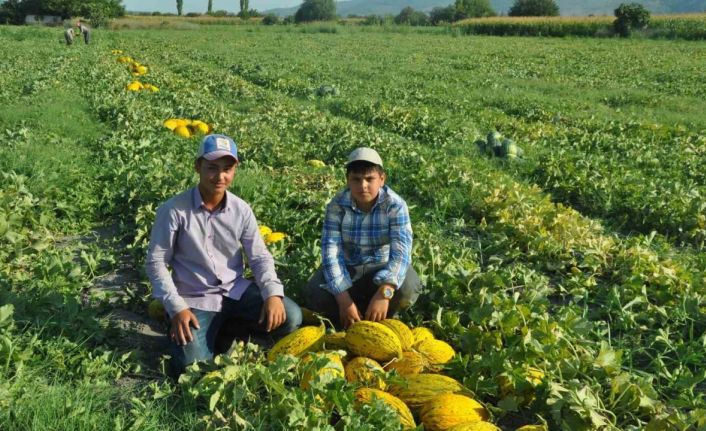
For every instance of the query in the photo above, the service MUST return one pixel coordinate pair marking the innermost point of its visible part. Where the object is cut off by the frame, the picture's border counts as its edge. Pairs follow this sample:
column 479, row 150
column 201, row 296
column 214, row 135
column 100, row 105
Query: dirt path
column 134, row 331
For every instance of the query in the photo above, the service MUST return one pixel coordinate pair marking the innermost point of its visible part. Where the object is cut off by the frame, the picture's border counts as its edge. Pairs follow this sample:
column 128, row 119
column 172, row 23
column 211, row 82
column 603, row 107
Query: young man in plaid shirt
column 366, row 249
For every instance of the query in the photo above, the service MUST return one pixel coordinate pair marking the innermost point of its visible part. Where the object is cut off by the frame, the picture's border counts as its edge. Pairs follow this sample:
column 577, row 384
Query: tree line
column 97, row 11
column 323, row 10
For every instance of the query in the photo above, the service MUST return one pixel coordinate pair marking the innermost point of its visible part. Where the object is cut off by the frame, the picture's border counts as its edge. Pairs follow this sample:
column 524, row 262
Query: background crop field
column 585, row 259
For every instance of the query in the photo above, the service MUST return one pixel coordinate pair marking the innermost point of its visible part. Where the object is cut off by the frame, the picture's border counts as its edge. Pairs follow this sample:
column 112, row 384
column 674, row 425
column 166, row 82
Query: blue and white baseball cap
column 216, row 146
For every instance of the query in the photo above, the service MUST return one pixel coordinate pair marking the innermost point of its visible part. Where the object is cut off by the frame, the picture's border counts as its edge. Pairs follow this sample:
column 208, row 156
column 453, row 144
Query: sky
column 202, row 5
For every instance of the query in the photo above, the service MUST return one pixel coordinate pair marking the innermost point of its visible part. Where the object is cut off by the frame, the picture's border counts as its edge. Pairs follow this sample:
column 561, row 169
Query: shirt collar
column 197, row 200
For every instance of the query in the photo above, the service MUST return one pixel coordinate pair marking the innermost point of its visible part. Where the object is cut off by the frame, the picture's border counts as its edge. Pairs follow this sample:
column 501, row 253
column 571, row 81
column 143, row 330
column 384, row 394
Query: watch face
column 388, row 292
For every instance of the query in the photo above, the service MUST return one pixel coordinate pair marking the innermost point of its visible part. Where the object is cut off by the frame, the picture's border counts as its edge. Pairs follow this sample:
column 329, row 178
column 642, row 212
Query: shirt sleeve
column 333, row 259
column 159, row 255
column 260, row 260
column 400, row 258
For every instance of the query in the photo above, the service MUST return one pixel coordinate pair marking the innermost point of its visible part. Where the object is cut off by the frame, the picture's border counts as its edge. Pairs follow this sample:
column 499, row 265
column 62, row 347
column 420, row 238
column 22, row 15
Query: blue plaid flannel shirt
column 352, row 237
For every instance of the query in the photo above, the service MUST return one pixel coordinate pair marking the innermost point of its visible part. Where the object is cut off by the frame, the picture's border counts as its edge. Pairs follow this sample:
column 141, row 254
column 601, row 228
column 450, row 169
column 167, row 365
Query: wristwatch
column 387, row 292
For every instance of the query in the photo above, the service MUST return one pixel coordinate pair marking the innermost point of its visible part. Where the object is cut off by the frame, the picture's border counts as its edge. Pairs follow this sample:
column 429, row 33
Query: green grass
column 84, row 406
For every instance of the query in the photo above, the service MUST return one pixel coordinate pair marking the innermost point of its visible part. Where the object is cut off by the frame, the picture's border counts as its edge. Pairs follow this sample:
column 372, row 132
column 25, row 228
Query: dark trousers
column 244, row 312
column 322, row 301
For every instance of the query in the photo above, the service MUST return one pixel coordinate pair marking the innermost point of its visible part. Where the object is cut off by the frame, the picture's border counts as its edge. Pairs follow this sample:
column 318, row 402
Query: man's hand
column 180, row 331
column 377, row 307
column 347, row 311
column 273, row 312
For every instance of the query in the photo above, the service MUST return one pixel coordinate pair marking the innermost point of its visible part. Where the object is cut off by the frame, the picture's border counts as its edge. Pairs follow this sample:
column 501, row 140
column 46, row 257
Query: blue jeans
column 247, row 312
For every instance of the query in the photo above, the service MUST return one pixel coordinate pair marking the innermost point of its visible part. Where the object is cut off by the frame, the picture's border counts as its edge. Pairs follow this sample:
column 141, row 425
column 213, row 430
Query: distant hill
column 566, row 7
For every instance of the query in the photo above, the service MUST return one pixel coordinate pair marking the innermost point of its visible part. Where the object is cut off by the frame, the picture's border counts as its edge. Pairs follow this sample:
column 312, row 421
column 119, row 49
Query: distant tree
column 409, row 16
column 11, row 12
column 209, row 9
column 442, row 14
column 629, row 17
column 270, row 19
column 316, row 10
column 244, row 9
column 180, row 6
column 534, row 8
column 97, row 11
column 473, row 9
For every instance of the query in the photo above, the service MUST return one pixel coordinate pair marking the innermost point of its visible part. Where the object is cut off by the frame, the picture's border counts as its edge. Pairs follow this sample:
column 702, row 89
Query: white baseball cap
column 364, row 154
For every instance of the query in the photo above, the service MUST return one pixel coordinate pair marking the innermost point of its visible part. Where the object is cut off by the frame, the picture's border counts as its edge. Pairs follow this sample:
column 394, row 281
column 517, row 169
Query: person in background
column 204, row 235
column 366, row 249
column 69, row 36
column 85, row 31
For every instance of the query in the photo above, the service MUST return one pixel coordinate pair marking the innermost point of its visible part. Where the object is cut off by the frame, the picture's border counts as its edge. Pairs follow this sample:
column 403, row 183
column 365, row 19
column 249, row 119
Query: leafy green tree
column 209, row 10
column 473, row 9
column 244, row 9
column 10, row 12
column 629, row 17
column 534, row 8
column 180, row 6
column 316, row 10
column 409, row 16
column 442, row 14
column 270, row 19
column 97, row 11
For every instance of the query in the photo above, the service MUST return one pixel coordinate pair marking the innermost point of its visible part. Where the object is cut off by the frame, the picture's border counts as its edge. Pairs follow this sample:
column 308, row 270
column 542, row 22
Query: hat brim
column 213, row 155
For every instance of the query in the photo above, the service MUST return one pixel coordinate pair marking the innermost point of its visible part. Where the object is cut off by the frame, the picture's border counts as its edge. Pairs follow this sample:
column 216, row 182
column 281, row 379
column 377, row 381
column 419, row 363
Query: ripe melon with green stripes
column 402, row 331
column 366, row 372
column 369, row 395
column 448, row 410
column 436, row 352
column 373, row 340
column 304, row 339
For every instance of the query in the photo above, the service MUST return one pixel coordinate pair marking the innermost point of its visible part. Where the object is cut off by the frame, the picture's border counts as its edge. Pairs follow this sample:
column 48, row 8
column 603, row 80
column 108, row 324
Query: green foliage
column 629, row 17
column 440, row 15
column 220, row 13
column 316, row 10
column 409, row 16
column 244, row 9
column 378, row 20
column 473, row 9
column 11, row 12
column 534, row 8
column 662, row 27
column 271, row 19
column 209, row 8
column 180, row 6
column 98, row 11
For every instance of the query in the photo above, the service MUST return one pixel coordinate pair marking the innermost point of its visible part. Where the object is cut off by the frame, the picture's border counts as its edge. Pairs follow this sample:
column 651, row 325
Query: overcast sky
column 202, row 5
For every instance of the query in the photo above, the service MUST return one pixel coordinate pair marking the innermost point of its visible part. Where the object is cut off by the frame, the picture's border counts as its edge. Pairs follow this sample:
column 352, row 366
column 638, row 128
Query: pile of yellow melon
column 187, row 128
column 368, row 352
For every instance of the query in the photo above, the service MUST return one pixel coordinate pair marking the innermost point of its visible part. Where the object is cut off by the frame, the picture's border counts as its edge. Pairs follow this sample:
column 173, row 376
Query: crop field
column 571, row 282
